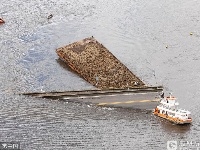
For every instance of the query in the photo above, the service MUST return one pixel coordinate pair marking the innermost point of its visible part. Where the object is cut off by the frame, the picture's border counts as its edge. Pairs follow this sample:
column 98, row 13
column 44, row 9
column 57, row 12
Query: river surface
column 157, row 40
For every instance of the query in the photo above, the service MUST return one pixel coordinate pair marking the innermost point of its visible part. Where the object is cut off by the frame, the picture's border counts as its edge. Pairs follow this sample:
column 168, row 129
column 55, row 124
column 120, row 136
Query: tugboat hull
column 168, row 109
column 174, row 120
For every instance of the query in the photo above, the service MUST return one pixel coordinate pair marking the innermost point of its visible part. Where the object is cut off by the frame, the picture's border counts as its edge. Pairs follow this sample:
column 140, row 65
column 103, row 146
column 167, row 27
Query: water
column 136, row 32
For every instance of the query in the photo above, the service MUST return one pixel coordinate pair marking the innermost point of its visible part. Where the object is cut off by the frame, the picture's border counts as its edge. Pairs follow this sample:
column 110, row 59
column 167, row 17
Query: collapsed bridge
column 116, row 85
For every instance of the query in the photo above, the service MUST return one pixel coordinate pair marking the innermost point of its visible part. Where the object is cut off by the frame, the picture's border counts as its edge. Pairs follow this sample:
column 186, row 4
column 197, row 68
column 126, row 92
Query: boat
column 168, row 109
column 2, row 21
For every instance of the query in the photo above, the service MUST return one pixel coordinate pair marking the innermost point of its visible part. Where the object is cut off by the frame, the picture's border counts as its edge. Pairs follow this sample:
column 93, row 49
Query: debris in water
column 50, row 16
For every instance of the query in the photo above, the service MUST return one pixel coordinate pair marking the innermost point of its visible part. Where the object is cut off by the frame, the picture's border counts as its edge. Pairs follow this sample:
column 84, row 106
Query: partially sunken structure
column 92, row 61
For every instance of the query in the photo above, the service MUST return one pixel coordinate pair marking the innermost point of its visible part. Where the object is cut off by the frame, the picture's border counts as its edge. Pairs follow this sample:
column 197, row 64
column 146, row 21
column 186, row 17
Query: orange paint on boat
column 1, row 21
column 168, row 109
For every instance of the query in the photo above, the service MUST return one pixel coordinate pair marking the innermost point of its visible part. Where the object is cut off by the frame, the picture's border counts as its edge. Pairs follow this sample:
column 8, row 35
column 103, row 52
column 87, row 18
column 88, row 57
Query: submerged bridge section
column 139, row 98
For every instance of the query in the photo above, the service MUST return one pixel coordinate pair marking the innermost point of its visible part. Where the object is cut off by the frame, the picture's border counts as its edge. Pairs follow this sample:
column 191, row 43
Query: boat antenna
column 170, row 94
column 162, row 95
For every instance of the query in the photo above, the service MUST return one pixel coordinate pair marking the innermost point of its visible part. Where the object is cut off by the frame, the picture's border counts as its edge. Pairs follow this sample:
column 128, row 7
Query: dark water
column 136, row 32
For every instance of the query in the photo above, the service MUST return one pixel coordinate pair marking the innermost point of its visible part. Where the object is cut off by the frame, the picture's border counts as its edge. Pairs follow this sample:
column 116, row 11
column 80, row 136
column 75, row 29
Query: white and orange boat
column 168, row 109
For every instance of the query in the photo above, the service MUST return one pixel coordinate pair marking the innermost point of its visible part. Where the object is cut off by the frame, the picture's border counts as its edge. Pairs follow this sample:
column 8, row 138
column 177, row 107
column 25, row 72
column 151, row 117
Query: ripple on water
column 136, row 32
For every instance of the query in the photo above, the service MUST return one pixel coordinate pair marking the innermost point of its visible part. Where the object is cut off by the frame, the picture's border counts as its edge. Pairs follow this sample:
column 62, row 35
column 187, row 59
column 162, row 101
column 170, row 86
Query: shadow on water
column 34, row 55
column 66, row 67
column 172, row 128
column 27, row 38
